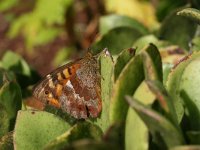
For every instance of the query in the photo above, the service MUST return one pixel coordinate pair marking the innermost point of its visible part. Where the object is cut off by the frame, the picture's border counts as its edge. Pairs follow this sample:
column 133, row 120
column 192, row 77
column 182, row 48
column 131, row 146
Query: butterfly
column 75, row 88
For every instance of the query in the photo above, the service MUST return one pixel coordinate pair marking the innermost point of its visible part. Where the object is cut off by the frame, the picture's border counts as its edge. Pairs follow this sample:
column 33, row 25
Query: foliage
column 38, row 26
column 149, row 90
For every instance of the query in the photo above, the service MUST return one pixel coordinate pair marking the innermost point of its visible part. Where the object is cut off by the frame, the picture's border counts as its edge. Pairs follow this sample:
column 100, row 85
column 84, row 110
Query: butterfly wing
column 75, row 88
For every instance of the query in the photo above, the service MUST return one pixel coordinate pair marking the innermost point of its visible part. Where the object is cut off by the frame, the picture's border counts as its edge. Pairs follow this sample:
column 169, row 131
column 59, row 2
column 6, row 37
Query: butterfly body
column 74, row 87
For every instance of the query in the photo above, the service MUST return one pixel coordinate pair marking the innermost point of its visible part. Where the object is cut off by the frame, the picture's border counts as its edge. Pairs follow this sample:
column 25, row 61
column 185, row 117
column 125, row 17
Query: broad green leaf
column 6, row 76
column 24, row 74
column 128, row 81
column 190, row 81
column 136, row 132
column 11, row 101
column 131, row 77
column 122, row 59
column 40, row 22
column 186, row 147
column 81, row 130
column 16, row 63
column 152, row 63
column 91, row 145
column 196, row 43
column 193, row 111
column 165, row 101
column 45, row 36
column 194, row 137
column 173, row 84
column 157, row 124
column 153, row 71
column 106, row 64
column 4, row 121
column 144, row 94
column 113, row 21
column 6, row 5
column 6, row 142
column 35, row 129
column 190, row 13
column 141, row 42
column 184, row 77
column 166, row 70
column 174, row 26
column 117, row 39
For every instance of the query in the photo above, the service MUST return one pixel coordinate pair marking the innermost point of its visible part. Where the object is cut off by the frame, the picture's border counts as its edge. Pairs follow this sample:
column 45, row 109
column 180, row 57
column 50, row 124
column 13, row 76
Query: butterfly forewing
column 74, row 87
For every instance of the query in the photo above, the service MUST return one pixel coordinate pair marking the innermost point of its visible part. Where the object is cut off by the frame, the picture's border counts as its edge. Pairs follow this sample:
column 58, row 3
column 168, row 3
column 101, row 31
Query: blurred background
column 48, row 33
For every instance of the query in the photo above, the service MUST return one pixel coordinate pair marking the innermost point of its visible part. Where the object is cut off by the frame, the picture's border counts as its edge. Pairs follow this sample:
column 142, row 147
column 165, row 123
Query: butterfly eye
column 46, row 92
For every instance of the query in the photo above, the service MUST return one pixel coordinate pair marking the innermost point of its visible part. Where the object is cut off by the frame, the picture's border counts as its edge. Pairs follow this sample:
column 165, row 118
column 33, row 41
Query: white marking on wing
column 69, row 84
column 51, row 85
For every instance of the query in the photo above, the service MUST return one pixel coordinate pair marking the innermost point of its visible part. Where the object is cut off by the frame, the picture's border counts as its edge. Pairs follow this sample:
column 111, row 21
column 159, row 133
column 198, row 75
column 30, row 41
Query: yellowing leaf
column 141, row 10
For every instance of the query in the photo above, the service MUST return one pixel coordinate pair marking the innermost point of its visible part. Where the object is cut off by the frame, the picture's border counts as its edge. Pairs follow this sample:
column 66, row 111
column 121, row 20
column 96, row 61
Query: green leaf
column 152, row 63
column 122, row 59
column 184, row 77
column 35, row 129
column 117, row 39
column 191, row 13
column 45, row 36
column 106, row 64
column 6, row 142
column 6, row 76
column 24, row 74
column 190, row 81
column 173, row 84
column 128, row 81
column 11, row 101
column 165, row 101
column 4, row 121
column 6, row 5
column 196, row 42
column 91, row 145
column 174, row 26
column 15, row 62
column 166, row 70
column 131, row 77
column 193, row 111
column 194, row 137
column 141, row 42
column 144, row 94
column 78, row 131
column 136, row 132
column 40, row 22
column 110, row 22
column 157, row 124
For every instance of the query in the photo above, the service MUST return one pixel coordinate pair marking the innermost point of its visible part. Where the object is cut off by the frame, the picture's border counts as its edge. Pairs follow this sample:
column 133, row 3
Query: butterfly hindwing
column 75, row 88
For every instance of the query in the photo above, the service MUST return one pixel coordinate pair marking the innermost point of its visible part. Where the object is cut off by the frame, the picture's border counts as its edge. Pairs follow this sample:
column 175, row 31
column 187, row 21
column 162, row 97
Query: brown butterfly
column 74, row 87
